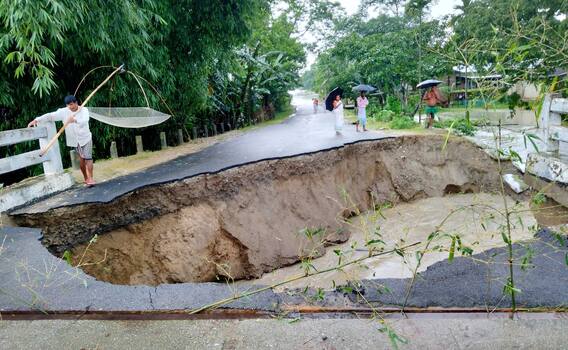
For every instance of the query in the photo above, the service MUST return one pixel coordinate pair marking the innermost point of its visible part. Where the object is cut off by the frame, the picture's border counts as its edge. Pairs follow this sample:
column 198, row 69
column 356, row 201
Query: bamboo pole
column 54, row 139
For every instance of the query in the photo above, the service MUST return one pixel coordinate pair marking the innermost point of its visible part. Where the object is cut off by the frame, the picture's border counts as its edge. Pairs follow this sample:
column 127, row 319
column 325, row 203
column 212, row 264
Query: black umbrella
column 364, row 87
column 428, row 83
column 331, row 97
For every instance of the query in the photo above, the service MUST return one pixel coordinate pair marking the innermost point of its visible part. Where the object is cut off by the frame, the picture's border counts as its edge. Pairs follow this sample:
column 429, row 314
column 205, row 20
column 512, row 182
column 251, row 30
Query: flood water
column 473, row 218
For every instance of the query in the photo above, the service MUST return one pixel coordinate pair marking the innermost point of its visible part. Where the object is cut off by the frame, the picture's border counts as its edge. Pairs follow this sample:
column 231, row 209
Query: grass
column 373, row 124
column 463, row 109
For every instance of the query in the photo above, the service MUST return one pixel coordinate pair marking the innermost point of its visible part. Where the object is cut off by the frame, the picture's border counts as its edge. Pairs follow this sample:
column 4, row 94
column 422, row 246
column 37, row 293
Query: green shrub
column 393, row 104
column 461, row 126
column 373, row 109
column 402, row 122
column 385, row 115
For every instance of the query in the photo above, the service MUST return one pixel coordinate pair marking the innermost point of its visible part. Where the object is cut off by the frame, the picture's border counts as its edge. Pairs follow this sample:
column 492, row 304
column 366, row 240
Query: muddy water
column 408, row 223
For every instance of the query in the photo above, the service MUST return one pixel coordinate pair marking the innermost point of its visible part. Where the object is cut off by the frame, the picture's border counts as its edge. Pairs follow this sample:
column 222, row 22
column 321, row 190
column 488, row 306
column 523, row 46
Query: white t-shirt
column 75, row 133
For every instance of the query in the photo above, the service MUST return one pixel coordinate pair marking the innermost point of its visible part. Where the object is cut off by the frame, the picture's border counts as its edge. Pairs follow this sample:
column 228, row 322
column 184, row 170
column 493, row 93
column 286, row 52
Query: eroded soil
column 246, row 221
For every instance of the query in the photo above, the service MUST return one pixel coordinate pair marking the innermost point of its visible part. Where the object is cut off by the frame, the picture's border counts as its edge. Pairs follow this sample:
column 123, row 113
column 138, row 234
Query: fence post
column 54, row 164
column 163, row 142
column 214, row 129
column 139, row 145
column 194, row 133
column 113, row 150
column 180, row 136
column 548, row 120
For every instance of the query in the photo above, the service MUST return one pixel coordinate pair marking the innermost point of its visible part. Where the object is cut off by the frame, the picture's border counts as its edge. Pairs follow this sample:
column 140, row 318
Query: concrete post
column 180, row 136
column 139, row 145
column 214, row 129
column 54, row 164
column 75, row 163
column 113, row 150
column 194, row 133
column 163, row 142
column 548, row 120
column 206, row 131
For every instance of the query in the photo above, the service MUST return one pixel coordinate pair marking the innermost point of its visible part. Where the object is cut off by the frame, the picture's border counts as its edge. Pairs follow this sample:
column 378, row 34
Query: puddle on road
column 408, row 223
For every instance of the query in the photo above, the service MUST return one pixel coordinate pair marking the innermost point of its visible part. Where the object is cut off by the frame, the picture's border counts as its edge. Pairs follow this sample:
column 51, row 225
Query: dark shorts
column 85, row 151
column 431, row 110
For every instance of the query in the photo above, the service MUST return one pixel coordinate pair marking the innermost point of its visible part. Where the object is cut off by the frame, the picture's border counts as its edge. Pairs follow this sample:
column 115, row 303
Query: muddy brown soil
column 243, row 222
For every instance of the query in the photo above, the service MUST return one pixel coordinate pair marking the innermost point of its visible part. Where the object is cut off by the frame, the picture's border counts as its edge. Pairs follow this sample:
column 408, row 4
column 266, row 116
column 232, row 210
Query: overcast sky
column 438, row 10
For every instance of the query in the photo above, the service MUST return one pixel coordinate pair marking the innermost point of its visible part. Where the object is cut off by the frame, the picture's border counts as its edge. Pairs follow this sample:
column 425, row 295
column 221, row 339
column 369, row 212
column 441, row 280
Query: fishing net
column 128, row 117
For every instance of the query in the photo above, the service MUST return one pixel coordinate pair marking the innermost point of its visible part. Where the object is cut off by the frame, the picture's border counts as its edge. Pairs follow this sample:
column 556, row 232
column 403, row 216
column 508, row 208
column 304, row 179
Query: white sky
column 439, row 9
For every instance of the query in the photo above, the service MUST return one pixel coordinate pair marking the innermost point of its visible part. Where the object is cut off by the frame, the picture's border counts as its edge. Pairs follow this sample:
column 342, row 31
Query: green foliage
column 402, row 122
column 539, row 198
column 393, row 104
column 377, row 52
column 214, row 62
column 68, row 257
column 460, row 126
column 385, row 115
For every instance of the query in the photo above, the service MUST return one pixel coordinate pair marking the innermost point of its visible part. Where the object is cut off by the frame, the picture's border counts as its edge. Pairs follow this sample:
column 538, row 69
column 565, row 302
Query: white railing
column 44, row 132
column 556, row 135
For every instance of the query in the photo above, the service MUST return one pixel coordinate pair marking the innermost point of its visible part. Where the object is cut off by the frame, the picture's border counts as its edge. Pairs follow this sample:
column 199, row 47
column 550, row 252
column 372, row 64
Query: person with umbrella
column 432, row 97
column 362, row 102
column 333, row 104
column 338, row 111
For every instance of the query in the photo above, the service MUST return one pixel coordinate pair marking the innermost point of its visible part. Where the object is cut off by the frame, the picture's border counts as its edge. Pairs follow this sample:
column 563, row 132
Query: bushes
column 392, row 114
column 393, row 104
column 385, row 116
column 461, row 126
column 401, row 122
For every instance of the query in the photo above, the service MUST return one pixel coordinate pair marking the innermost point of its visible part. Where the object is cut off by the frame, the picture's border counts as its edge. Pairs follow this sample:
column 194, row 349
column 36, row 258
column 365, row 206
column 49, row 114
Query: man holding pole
column 77, row 133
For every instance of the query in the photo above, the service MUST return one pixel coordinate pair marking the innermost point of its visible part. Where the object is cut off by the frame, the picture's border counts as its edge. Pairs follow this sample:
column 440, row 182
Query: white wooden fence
column 44, row 132
column 556, row 135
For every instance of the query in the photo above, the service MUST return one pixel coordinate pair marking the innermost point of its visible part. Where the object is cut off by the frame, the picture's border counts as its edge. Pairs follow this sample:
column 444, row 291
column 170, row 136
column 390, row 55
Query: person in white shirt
column 77, row 133
column 362, row 103
column 338, row 111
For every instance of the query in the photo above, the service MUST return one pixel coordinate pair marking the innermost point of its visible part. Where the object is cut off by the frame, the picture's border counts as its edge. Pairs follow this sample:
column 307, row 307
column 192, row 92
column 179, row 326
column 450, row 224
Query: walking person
column 362, row 103
column 432, row 98
column 77, row 133
column 315, row 102
column 338, row 111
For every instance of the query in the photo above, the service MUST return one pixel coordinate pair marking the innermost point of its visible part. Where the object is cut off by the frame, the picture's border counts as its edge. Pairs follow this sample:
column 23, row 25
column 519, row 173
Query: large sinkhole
column 244, row 222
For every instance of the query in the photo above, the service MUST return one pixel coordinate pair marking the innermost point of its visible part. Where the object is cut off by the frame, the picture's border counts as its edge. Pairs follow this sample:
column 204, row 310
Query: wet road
column 303, row 133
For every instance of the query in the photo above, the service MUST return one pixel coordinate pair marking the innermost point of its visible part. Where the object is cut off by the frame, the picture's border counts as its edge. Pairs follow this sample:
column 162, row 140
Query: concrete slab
column 549, row 167
column 515, row 182
column 33, row 189
column 513, row 138
column 428, row 332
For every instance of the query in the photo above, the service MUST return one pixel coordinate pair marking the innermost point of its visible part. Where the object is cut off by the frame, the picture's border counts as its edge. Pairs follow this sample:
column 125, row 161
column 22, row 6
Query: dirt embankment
column 245, row 221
